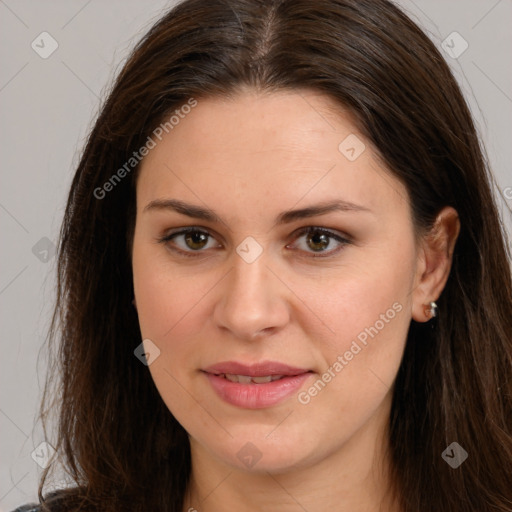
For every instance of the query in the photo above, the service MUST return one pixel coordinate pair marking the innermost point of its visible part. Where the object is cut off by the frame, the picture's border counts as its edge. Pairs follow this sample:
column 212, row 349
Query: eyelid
column 342, row 239
column 183, row 231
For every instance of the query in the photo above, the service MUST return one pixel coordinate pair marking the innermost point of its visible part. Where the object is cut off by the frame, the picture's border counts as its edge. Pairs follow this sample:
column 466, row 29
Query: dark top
column 36, row 507
column 33, row 507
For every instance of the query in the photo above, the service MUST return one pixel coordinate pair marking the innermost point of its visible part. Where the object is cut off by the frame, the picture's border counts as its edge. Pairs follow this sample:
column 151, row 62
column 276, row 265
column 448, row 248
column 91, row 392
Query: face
column 273, row 262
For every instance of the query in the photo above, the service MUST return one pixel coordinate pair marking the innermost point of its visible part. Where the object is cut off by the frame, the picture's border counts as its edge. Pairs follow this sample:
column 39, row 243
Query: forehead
column 256, row 151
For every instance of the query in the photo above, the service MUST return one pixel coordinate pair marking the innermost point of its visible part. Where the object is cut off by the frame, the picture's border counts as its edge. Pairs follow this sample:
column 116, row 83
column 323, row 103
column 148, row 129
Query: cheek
column 168, row 305
column 355, row 297
column 173, row 311
column 166, row 295
column 368, row 314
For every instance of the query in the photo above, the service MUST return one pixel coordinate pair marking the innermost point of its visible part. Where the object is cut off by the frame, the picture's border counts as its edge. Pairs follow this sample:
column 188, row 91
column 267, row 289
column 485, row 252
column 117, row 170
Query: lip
column 255, row 396
column 260, row 369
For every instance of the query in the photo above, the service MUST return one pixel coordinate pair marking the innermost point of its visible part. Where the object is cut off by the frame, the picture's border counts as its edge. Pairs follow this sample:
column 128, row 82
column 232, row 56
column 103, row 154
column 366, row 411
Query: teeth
column 262, row 380
column 246, row 379
column 238, row 378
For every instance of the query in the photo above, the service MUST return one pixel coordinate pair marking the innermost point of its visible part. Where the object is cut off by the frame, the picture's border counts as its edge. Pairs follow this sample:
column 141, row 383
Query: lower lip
column 256, row 396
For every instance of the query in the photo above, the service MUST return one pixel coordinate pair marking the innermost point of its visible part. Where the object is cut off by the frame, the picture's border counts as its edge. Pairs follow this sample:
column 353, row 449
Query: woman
column 283, row 280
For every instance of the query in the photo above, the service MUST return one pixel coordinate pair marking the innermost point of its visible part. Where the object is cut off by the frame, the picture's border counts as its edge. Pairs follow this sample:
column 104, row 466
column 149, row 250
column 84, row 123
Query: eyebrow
column 286, row 217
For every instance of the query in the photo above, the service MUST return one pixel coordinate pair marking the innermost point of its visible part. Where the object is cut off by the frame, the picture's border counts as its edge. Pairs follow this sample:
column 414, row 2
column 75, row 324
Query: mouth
column 255, row 386
column 247, row 379
column 260, row 369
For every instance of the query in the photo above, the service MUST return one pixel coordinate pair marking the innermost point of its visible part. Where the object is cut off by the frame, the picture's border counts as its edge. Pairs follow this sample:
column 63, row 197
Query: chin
column 254, row 452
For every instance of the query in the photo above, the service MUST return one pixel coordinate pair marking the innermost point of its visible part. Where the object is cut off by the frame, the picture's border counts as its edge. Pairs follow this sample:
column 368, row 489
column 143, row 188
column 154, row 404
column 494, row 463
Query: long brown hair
column 116, row 438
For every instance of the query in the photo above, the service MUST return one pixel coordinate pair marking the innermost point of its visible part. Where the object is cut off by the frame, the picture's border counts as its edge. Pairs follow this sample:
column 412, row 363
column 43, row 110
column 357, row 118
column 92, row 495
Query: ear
column 434, row 262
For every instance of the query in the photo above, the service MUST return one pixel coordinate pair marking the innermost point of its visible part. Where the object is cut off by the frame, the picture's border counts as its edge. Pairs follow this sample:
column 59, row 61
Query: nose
column 253, row 300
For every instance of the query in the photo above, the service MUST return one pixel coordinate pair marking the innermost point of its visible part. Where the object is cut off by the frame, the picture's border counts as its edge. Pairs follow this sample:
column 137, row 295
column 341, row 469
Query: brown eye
column 189, row 241
column 319, row 241
column 196, row 239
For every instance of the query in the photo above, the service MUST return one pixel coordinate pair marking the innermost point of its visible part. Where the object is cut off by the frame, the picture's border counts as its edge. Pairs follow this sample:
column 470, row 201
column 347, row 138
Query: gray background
column 48, row 106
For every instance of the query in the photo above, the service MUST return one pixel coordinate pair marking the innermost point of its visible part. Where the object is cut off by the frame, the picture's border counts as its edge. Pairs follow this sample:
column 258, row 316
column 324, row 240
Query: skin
column 249, row 158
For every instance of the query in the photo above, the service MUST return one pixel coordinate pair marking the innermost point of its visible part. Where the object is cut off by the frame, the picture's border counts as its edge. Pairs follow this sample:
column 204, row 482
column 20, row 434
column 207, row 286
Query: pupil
column 196, row 238
column 323, row 240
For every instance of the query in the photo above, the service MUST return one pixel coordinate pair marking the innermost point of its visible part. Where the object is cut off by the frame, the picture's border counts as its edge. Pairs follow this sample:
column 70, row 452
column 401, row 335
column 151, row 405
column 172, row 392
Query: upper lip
column 261, row 369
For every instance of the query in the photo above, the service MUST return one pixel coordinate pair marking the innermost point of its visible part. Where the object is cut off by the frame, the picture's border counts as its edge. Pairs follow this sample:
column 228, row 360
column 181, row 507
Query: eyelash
column 304, row 231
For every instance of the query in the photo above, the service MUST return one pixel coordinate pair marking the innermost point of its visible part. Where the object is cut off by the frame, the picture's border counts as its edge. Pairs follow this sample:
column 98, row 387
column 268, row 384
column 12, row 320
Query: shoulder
column 33, row 507
column 55, row 501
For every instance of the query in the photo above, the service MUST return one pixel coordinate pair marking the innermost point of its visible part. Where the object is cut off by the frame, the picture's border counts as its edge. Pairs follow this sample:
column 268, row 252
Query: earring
column 432, row 309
